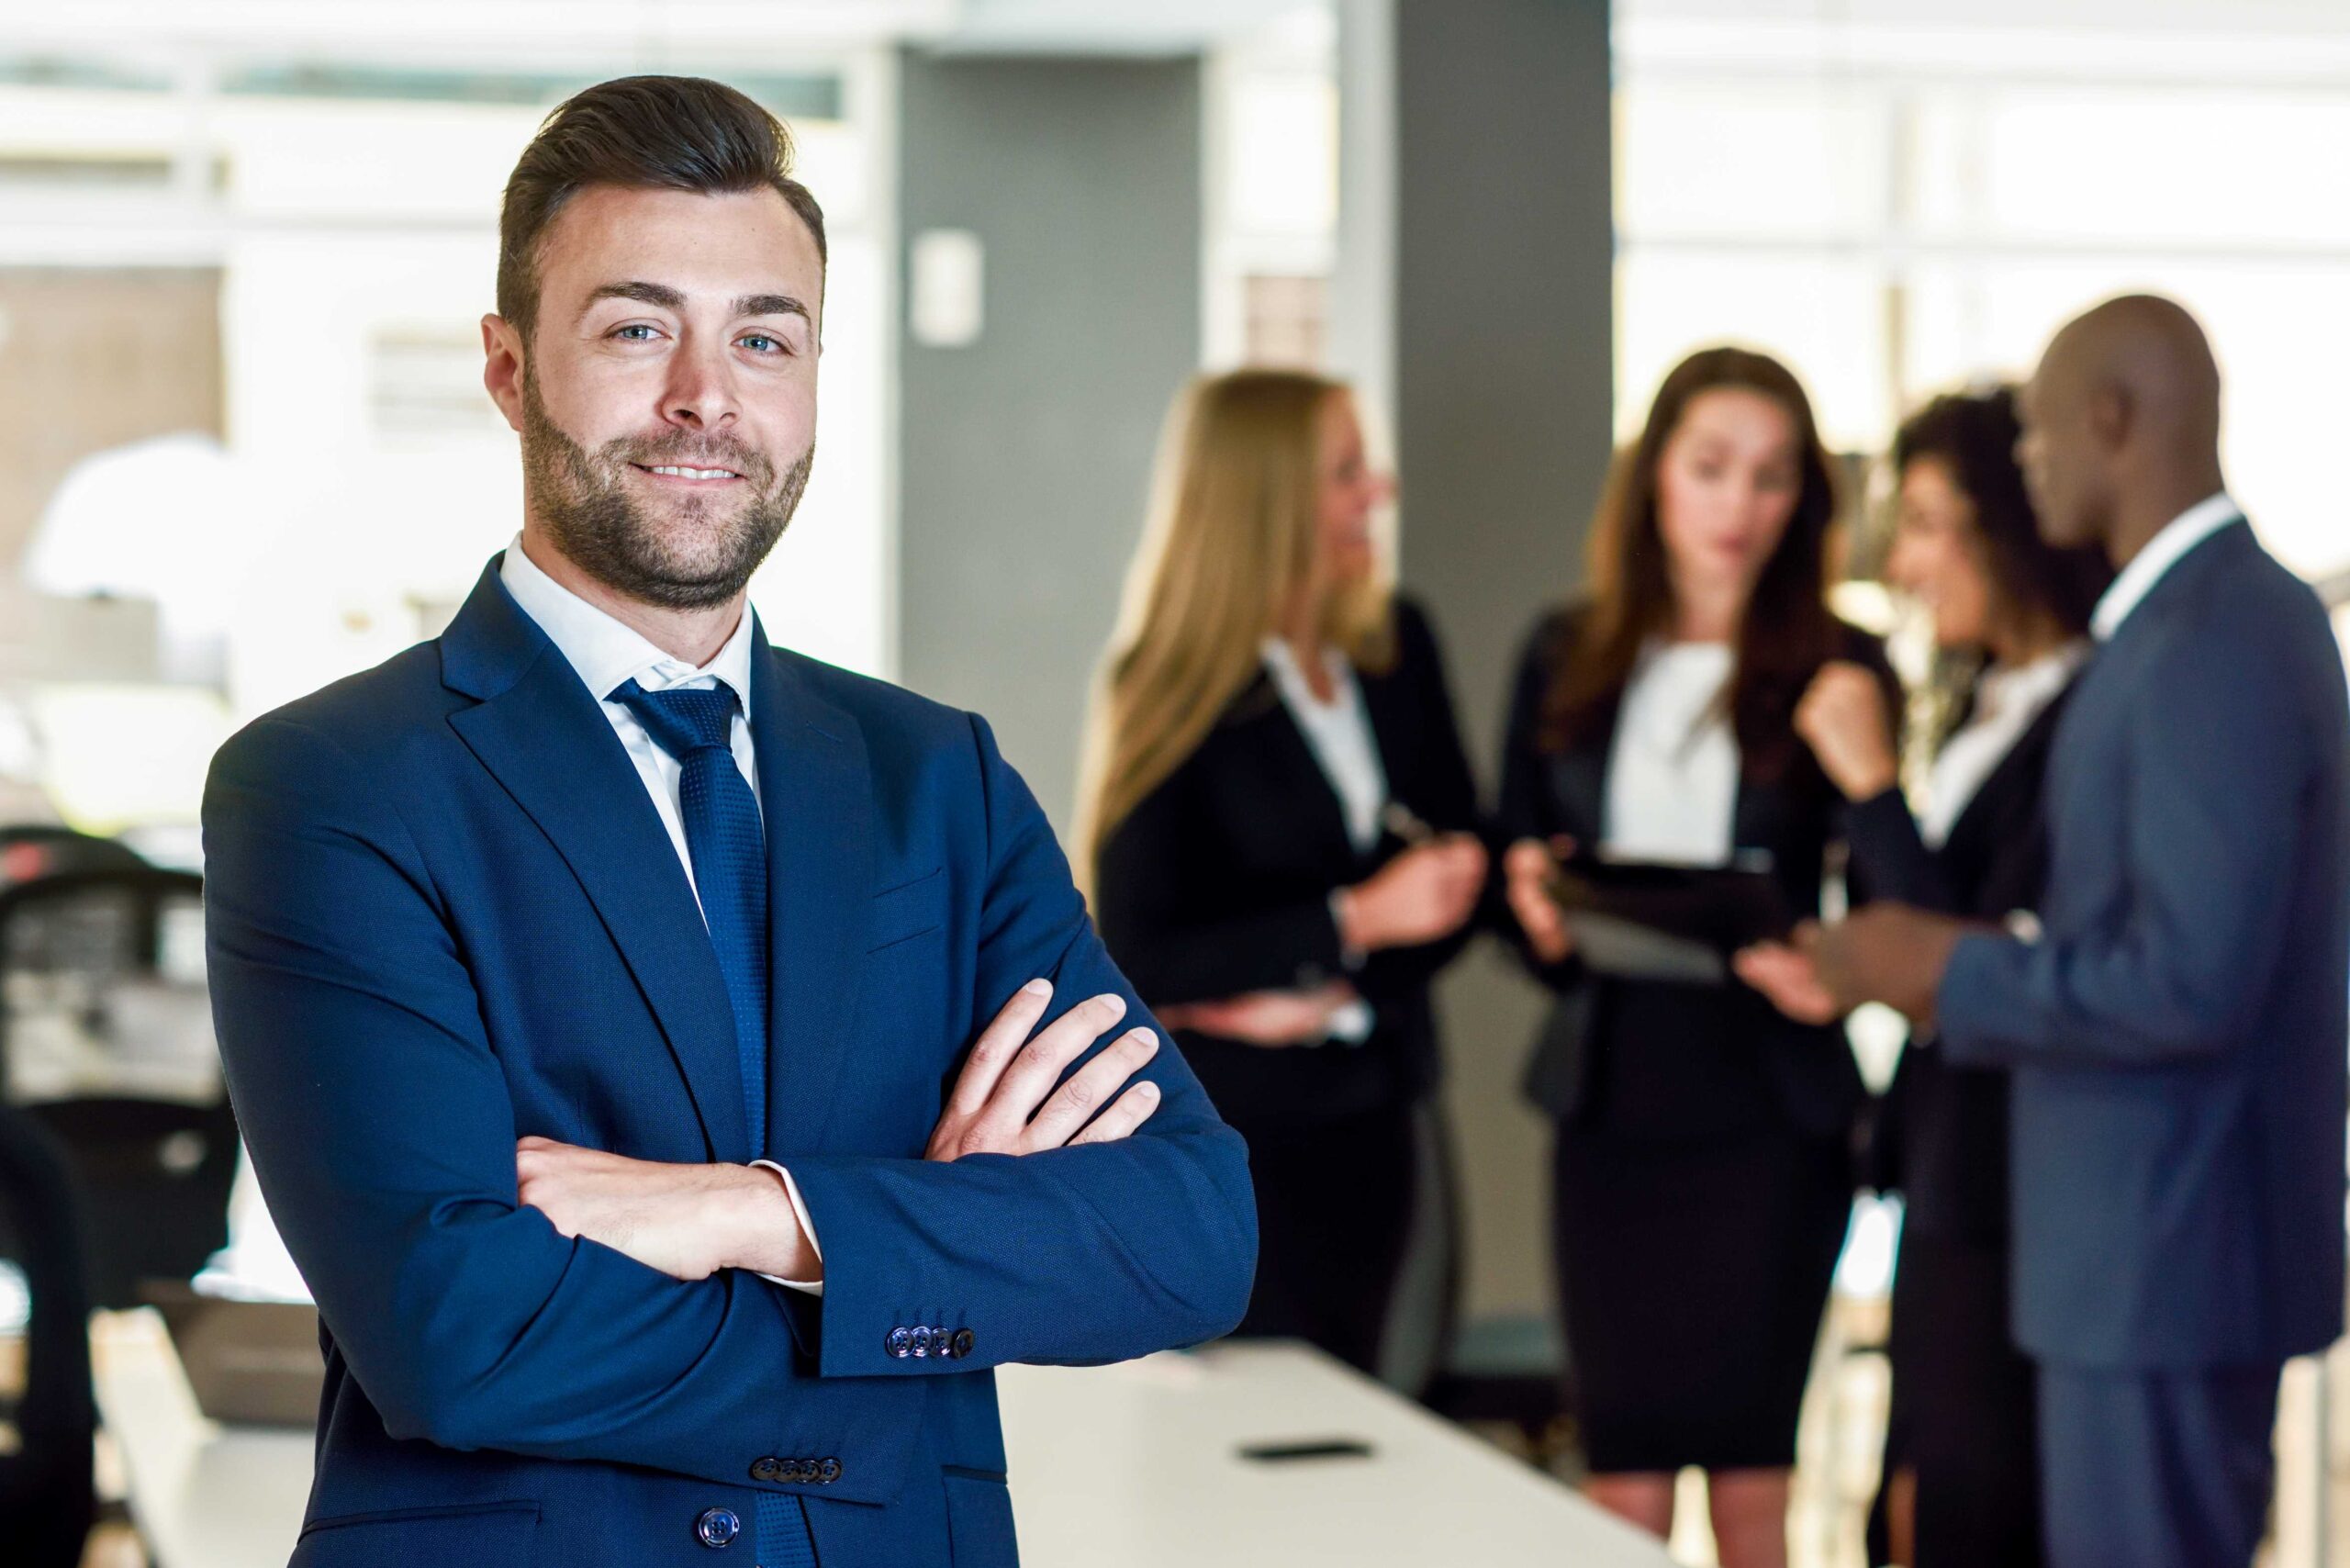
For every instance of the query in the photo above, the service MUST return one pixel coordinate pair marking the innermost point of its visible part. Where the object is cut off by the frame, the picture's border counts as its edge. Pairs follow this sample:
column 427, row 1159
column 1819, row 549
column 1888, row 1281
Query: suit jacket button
column 766, row 1469
column 964, row 1340
column 920, row 1342
column 901, row 1342
column 828, row 1472
column 718, row 1527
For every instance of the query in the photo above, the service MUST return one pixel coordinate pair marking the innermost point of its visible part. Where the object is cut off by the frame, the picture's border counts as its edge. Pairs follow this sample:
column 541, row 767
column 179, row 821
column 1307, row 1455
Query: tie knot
column 683, row 720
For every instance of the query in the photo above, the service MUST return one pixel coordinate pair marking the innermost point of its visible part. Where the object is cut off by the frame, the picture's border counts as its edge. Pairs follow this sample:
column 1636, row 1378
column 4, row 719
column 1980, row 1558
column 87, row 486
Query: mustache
column 683, row 449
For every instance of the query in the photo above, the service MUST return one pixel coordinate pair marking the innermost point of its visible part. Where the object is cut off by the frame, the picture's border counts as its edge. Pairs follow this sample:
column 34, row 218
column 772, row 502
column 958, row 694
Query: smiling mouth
column 680, row 471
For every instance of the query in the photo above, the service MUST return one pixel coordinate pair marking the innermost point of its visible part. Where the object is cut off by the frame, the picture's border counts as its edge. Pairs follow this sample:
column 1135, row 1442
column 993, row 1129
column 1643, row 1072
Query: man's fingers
column 998, row 1044
column 1087, row 1090
column 1129, row 1111
column 1038, row 1065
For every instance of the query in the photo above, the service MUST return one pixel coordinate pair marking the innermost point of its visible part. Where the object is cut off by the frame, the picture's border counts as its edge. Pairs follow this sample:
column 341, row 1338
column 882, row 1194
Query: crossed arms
column 382, row 1129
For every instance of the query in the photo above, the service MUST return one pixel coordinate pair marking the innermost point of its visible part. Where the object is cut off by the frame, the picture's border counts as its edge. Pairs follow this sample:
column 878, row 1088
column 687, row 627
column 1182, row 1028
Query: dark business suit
column 443, row 913
column 2177, row 1039
column 1218, row 883
column 1703, row 1139
column 1963, row 1415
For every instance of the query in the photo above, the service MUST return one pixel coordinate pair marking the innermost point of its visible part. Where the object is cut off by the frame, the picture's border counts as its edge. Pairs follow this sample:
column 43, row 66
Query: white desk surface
column 1133, row 1466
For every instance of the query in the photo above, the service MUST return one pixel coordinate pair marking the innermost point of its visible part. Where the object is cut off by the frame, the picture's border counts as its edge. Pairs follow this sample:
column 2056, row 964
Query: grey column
column 1504, row 381
column 1024, row 456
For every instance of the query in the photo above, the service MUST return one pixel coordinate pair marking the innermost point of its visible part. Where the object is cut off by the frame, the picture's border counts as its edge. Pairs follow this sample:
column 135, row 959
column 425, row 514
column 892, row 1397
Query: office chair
column 32, row 850
column 105, row 1040
column 47, row 1495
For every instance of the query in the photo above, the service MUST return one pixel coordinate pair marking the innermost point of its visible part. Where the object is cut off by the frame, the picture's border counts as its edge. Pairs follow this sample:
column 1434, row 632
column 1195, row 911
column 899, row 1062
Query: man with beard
column 2176, row 1024
column 680, row 1068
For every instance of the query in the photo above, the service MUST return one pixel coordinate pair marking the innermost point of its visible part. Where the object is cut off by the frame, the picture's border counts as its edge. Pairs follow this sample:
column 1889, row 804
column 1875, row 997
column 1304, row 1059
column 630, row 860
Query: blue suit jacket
column 2178, row 1032
column 443, row 913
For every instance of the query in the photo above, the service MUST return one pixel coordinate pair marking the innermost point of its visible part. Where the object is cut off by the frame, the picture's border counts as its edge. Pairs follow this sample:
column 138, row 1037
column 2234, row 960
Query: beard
column 701, row 555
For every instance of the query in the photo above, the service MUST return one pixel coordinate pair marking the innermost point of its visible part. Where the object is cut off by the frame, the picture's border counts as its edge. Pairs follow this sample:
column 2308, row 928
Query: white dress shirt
column 608, row 653
column 2156, row 557
column 1673, row 770
column 2006, row 702
column 1338, row 733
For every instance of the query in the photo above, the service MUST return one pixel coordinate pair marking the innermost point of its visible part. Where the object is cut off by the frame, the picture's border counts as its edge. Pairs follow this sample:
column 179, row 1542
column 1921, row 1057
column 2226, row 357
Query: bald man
column 2175, row 1018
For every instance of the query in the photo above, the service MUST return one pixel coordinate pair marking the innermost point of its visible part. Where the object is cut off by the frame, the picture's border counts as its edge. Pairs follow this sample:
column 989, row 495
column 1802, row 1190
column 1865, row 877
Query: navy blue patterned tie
column 728, row 849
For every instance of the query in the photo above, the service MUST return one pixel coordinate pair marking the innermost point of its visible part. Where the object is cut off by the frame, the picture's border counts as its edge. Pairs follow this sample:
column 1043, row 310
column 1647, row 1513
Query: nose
column 699, row 392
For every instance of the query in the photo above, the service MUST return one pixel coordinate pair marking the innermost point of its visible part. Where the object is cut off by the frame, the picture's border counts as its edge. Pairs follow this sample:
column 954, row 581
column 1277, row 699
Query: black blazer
column 1942, row 1132
column 1793, row 817
column 1219, row 883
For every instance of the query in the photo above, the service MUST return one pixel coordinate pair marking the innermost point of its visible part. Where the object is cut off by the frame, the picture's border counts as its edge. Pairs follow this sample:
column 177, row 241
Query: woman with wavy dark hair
column 1703, row 1171
column 2011, row 619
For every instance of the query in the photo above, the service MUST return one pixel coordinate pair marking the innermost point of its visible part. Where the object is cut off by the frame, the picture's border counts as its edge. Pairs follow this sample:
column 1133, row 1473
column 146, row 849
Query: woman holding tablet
column 1281, row 832
column 1703, row 1160
column 2010, row 616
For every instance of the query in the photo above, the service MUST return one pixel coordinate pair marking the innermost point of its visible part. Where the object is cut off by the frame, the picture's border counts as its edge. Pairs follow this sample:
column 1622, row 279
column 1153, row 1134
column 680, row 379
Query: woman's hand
column 1527, row 867
column 1425, row 894
column 1269, row 1018
column 1789, row 978
column 1843, row 718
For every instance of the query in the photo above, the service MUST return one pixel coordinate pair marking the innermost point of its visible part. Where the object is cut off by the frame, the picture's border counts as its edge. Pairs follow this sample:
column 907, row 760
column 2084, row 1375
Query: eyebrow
column 667, row 298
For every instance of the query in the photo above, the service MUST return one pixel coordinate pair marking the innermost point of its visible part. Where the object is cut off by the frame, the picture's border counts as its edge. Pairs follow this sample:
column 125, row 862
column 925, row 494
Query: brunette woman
column 2010, row 622
column 1703, row 1164
column 1280, row 829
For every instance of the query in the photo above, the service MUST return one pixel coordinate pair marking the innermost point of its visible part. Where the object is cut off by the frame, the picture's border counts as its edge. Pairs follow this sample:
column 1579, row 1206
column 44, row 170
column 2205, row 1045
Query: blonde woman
column 1279, row 825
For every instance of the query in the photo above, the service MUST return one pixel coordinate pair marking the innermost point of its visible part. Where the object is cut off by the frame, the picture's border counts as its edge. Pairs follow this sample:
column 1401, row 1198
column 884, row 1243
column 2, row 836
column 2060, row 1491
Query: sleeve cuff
column 1352, row 1024
column 807, row 1229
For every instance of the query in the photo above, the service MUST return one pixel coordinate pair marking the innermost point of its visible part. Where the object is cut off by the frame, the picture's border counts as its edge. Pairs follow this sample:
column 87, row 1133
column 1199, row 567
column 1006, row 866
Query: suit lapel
column 1579, row 785
column 815, row 793
column 1302, row 780
column 546, row 740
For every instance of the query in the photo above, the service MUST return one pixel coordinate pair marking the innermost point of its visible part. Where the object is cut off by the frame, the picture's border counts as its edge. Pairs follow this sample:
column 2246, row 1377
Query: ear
column 2111, row 415
column 503, row 366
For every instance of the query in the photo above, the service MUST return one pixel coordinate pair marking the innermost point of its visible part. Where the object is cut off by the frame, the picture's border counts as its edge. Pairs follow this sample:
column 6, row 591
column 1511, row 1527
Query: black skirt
column 1963, row 1413
column 1334, row 1212
column 1693, row 1276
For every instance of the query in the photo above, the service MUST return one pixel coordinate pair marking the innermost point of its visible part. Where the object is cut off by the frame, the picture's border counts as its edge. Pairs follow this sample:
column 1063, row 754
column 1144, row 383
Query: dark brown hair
column 1787, row 632
column 679, row 133
column 1974, row 435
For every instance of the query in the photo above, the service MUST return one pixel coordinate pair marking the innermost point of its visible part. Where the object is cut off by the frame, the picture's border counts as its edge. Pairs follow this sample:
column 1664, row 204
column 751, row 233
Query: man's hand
column 1788, row 980
column 1270, row 1018
column 689, row 1221
column 1884, row 952
column 1005, row 1101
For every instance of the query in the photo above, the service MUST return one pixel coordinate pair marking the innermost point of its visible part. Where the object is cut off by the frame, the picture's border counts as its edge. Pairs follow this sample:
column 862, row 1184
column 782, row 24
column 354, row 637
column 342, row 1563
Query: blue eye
column 635, row 326
column 755, row 341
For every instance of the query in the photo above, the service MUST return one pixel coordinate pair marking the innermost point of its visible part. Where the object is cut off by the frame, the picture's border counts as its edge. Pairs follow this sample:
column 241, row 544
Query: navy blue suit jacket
column 2178, row 1032
column 444, row 914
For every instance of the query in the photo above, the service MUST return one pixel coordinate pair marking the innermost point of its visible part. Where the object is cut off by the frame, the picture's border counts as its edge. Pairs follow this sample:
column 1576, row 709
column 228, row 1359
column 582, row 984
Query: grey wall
column 1024, row 457
column 1503, row 390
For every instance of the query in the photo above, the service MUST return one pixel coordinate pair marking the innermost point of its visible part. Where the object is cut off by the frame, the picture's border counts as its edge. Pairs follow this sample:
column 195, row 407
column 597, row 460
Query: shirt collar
column 2155, row 559
column 605, row 652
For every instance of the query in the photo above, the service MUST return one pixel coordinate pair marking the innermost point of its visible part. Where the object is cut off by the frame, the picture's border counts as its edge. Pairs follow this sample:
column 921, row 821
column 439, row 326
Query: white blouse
column 2006, row 703
column 1338, row 733
column 1672, row 771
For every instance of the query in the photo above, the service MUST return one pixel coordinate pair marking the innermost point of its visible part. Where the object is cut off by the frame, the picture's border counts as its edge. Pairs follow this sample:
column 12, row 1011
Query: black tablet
column 1655, row 920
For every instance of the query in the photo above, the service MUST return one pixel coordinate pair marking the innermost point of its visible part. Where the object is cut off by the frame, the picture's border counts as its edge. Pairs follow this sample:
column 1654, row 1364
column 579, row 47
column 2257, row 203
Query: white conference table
column 1132, row 1466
